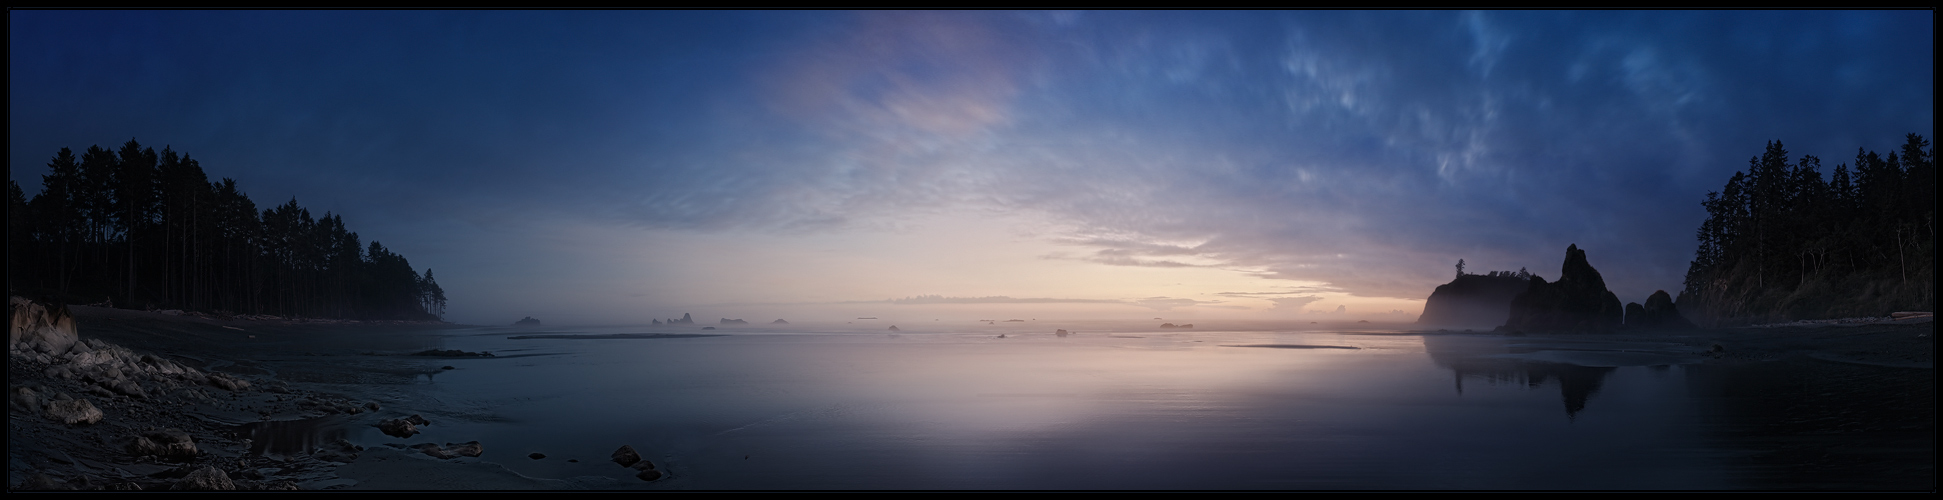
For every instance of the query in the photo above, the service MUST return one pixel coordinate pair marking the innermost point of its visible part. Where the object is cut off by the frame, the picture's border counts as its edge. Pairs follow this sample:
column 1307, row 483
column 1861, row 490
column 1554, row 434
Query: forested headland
column 148, row 230
column 1781, row 242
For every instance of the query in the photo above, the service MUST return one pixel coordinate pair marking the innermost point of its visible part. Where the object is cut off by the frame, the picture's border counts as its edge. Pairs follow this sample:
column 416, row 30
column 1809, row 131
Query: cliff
column 1473, row 299
column 1579, row 301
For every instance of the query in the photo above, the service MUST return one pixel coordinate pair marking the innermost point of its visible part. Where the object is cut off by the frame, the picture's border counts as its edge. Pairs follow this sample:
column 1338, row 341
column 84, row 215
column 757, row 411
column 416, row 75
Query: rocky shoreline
column 133, row 400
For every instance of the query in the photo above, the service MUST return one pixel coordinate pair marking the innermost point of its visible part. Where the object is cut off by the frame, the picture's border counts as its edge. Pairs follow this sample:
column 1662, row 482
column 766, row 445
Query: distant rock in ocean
column 1659, row 312
column 685, row 320
column 708, row 328
column 1473, row 299
column 657, row 322
column 727, row 321
column 528, row 321
column 1579, row 301
column 779, row 322
column 1171, row 325
column 1062, row 332
column 894, row 328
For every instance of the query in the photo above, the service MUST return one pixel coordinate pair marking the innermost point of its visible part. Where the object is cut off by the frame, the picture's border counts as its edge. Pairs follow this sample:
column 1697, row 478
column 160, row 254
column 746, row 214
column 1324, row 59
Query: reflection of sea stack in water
column 727, row 321
column 894, row 328
column 685, row 320
column 779, row 322
column 528, row 321
column 1579, row 301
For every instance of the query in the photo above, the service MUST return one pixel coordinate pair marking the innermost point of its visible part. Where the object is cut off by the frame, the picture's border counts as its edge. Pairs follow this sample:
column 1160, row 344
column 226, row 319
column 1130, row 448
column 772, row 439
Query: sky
column 610, row 167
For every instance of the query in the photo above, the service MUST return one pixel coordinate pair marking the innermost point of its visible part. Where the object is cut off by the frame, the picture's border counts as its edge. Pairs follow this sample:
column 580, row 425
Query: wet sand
column 1819, row 396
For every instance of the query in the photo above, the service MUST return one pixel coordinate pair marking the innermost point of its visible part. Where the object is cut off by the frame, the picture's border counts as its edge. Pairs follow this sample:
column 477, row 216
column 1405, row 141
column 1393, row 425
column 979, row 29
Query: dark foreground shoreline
column 1848, row 408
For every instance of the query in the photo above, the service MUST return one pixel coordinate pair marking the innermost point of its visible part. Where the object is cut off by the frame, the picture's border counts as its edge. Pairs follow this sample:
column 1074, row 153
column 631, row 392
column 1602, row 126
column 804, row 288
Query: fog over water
column 1114, row 405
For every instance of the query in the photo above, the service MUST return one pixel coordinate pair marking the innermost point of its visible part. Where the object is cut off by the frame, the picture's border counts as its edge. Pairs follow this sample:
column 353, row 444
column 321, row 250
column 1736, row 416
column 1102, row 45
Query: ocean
column 1114, row 405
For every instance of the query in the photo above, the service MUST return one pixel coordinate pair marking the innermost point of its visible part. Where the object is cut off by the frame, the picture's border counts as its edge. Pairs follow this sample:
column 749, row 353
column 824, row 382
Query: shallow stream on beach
column 844, row 406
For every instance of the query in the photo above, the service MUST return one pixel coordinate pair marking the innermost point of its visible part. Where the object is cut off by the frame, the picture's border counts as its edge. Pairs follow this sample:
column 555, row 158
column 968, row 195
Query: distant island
column 727, row 321
column 779, row 321
column 528, row 321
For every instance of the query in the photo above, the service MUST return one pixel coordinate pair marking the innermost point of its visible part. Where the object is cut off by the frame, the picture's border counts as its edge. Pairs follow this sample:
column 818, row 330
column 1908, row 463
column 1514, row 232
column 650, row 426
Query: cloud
column 1293, row 303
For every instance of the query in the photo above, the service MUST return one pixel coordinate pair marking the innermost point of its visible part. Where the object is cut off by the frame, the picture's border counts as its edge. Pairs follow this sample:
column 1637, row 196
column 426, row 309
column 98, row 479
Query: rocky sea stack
column 1578, row 301
column 1474, row 299
column 1659, row 312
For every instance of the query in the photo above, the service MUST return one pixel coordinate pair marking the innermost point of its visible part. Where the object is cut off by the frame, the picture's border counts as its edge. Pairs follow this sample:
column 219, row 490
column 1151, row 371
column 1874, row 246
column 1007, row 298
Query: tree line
column 138, row 228
column 1780, row 242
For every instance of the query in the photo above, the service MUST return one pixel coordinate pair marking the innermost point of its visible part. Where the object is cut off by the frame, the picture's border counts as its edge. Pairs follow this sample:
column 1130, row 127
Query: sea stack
column 779, row 322
column 1659, row 312
column 1473, row 300
column 1579, row 301
column 527, row 321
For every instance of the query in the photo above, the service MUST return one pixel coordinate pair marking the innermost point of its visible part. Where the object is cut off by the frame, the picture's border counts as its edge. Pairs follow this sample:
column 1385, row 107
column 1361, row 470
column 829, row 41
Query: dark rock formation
column 340, row 450
column 779, row 322
column 625, row 456
column 44, row 327
column 894, row 328
column 1062, row 332
column 527, row 321
column 727, row 321
column 205, row 479
column 1659, row 312
column 1171, row 325
column 171, row 443
column 402, row 427
column 73, row 411
column 1472, row 299
column 1579, row 301
column 657, row 322
column 685, row 320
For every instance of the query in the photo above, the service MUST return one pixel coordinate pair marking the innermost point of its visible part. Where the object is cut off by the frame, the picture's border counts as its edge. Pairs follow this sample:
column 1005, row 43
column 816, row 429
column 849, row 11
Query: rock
column 205, row 479
column 727, row 321
column 685, row 320
column 708, row 328
column 398, row 427
column 41, row 482
column 74, row 411
column 1579, row 301
column 24, row 400
column 894, row 328
column 645, row 470
column 1473, row 299
column 779, row 321
column 536, row 455
column 527, row 321
column 371, row 405
column 43, row 327
column 1659, row 313
column 340, row 450
column 1001, row 335
column 171, row 443
column 1062, row 332
column 657, row 322
column 626, row 456
column 227, row 382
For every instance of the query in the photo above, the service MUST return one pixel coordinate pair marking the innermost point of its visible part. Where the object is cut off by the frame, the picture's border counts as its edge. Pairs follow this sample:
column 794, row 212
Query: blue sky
column 619, row 166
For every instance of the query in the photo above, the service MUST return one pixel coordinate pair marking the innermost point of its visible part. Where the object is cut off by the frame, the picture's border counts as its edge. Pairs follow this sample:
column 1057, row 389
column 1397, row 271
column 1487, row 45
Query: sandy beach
column 362, row 374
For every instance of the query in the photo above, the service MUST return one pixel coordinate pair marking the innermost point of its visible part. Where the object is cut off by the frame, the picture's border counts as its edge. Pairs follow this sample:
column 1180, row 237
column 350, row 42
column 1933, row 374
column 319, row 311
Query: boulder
column 73, row 411
column 340, row 450
column 451, row 450
column 44, row 327
column 1579, row 301
column 205, row 479
column 626, row 456
column 25, row 400
column 172, row 444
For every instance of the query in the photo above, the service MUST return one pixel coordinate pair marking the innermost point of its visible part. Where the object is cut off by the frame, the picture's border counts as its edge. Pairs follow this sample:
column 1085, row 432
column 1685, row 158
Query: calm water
column 850, row 406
